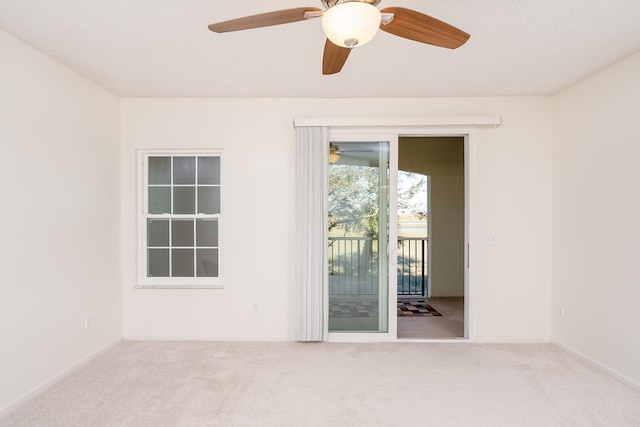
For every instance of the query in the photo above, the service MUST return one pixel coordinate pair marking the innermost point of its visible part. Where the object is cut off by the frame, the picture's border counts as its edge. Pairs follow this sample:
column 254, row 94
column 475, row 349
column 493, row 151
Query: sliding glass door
column 358, row 237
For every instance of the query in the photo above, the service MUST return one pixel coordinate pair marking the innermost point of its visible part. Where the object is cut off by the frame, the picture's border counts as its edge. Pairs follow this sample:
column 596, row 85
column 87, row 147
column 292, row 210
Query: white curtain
column 312, row 150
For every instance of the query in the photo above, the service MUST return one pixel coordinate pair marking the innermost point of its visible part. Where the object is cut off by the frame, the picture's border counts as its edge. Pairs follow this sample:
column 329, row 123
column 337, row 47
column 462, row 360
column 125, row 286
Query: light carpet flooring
column 330, row 384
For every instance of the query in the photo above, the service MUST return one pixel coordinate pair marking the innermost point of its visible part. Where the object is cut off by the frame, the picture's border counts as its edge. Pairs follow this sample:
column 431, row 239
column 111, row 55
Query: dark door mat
column 408, row 308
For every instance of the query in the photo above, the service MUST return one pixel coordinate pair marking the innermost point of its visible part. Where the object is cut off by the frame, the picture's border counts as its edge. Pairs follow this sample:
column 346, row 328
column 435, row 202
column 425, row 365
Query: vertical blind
column 312, row 148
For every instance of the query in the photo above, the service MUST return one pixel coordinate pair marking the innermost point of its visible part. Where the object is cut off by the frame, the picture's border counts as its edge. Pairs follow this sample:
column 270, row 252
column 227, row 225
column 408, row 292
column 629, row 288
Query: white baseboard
column 599, row 366
column 454, row 340
column 43, row 386
column 346, row 339
column 204, row 338
column 512, row 340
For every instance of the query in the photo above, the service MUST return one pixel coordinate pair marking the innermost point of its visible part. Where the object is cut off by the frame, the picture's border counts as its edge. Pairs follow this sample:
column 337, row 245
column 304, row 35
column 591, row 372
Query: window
column 179, row 219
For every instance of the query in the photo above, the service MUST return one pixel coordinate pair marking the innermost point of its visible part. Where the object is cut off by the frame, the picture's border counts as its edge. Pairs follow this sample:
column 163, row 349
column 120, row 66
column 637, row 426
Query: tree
column 353, row 207
column 353, row 197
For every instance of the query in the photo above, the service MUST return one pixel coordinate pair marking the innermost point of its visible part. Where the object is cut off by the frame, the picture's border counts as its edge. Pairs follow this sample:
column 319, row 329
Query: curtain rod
column 398, row 121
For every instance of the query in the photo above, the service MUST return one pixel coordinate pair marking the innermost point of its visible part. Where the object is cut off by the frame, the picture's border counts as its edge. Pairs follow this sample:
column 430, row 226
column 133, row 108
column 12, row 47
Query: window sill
column 179, row 287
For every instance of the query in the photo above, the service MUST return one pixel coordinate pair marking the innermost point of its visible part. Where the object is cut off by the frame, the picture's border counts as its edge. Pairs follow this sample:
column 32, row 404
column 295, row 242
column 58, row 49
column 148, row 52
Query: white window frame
column 142, row 214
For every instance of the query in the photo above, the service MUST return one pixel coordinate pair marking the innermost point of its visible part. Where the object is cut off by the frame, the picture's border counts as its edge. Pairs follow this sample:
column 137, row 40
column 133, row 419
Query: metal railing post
column 422, row 267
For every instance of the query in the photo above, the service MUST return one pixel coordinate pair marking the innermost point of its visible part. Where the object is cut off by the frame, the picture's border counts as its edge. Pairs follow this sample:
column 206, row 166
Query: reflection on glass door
column 358, row 206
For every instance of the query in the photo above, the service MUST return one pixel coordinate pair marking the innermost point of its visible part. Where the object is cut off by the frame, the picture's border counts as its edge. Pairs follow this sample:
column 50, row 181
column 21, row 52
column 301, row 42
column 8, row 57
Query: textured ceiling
column 162, row 48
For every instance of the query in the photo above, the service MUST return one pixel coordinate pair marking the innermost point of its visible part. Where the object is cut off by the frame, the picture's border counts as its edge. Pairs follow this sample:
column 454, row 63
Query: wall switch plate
column 87, row 322
column 490, row 240
column 255, row 308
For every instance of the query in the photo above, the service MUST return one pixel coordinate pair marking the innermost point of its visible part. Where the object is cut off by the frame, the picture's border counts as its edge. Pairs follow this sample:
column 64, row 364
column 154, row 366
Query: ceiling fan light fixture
column 351, row 24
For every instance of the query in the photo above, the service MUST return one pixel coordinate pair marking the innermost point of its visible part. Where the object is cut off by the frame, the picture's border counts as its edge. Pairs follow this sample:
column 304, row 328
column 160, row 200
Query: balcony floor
column 361, row 313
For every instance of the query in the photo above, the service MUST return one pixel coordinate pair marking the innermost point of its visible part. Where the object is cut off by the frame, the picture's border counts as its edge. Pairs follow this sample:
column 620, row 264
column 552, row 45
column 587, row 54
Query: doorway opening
column 431, row 237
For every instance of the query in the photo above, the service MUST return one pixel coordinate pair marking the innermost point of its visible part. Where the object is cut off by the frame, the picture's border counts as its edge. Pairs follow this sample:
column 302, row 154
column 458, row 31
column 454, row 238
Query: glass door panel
column 358, row 227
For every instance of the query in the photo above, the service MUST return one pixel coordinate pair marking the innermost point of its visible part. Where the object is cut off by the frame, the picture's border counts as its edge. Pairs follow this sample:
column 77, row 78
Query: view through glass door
column 358, row 237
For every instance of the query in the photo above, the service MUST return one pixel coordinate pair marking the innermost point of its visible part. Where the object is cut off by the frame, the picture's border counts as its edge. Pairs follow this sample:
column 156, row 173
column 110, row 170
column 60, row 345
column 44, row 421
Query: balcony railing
column 412, row 266
column 353, row 266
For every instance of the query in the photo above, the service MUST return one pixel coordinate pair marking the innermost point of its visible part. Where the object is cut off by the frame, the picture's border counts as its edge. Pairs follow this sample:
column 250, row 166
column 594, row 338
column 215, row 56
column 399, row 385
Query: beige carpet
column 292, row 384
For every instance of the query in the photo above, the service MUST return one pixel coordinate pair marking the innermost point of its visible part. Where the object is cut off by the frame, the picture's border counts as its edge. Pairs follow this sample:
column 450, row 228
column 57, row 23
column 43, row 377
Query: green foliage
column 353, row 197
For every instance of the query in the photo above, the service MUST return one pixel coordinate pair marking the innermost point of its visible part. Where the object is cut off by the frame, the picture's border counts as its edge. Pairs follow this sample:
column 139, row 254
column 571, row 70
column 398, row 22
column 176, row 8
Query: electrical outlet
column 255, row 308
column 490, row 240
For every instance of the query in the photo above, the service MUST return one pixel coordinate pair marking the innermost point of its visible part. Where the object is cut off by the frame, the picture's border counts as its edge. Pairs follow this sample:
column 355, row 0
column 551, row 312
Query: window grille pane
column 184, row 170
column 182, row 263
column 207, row 262
column 159, row 200
column 158, row 263
column 159, row 170
column 158, row 232
column 182, row 232
column 209, row 200
column 209, row 170
column 206, row 232
column 184, row 200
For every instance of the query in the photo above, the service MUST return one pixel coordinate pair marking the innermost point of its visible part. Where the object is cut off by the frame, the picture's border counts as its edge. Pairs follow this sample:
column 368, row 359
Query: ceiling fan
column 353, row 148
column 357, row 150
column 352, row 23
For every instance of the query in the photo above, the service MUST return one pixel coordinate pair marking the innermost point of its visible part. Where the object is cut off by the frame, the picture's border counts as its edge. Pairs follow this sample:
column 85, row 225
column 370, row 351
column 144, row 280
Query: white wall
column 596, row 231
column 59, row 219
column 513, row 203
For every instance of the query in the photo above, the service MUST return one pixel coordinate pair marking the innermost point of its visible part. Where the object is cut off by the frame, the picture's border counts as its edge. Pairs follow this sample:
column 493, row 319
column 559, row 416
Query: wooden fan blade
column 334, row 58
column 422, row 28
column 263, row 20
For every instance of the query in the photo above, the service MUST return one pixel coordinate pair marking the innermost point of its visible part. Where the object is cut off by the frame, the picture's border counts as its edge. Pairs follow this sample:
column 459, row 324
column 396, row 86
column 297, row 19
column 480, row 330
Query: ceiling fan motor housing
column 330, row 3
